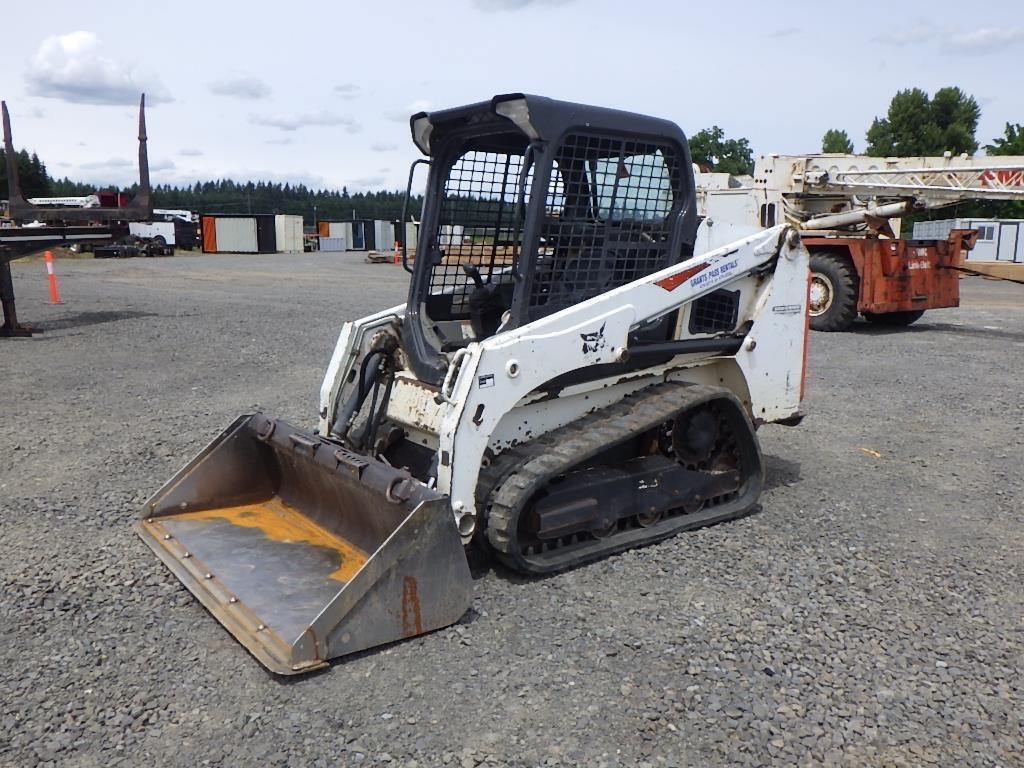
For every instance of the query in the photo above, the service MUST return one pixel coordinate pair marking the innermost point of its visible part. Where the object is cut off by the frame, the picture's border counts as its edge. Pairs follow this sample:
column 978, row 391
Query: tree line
column 228, row 196
column 35, row 181
column 225, row 195
column 916, row 123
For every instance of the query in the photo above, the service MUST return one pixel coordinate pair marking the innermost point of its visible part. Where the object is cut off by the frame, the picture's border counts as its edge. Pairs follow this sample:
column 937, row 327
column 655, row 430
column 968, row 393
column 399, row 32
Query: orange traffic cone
column 398, row 256
column 48, row 258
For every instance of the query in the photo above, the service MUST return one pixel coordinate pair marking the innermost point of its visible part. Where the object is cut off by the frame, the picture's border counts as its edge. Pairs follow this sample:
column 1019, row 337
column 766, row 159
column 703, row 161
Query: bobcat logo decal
column 593, row 342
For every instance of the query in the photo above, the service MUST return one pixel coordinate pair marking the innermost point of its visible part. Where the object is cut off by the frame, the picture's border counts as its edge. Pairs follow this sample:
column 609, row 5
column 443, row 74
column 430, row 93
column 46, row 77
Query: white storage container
column 288, row 232
column 332, row 243
column 236, row 235
column 342, row 229
column 383, row 235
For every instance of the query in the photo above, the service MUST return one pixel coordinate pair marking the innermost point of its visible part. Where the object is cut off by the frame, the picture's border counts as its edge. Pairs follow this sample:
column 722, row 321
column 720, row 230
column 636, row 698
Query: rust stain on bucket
column 412, row 622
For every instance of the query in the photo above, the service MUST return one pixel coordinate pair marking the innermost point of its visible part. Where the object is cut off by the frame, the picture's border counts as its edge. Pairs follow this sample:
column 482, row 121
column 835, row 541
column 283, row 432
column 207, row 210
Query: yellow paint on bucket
column 280, row 522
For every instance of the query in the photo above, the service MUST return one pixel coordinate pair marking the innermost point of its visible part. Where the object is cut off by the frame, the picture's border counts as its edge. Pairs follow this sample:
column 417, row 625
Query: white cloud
column 515, row 5
column 368, row 182
column 382, row 147
column 403, row 115
column 785, row 32
column 294, row 122
column 347, row 90
column 119, row 170
column 311, row 180
column 114, row 162
column 73, row 68
column 190, row 152
column 116, row 171
column 240, row 87
column 919, row 32
column 985, row 40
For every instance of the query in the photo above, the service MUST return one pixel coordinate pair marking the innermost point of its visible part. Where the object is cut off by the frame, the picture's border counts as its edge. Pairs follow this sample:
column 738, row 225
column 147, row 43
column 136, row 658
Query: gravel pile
column 870, row 614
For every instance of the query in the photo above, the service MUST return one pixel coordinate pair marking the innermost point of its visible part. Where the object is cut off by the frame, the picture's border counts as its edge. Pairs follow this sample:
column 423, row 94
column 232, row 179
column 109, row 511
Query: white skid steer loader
column 567, row 380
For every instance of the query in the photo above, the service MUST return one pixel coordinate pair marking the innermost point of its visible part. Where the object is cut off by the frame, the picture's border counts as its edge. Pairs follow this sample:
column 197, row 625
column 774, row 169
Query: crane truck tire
column 833, row 304
column 894, row 319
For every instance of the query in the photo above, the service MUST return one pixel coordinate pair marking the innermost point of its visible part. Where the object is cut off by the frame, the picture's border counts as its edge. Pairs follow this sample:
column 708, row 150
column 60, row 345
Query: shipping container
column 342, row 229
column 411, row 233
column 451, row 234
column 266, row 233
column 234, row 233
column 332, row 243
column 208, row 230
column 288, row 233
column 384, row 235
column 361, row 234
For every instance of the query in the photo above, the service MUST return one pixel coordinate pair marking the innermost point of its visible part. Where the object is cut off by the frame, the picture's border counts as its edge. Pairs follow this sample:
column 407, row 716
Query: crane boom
column 988, row 182
column 824, row 190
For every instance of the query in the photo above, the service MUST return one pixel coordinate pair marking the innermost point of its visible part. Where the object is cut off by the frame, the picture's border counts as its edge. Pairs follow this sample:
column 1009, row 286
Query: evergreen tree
column 918, row 125
column 35, row 182
column 836, row 141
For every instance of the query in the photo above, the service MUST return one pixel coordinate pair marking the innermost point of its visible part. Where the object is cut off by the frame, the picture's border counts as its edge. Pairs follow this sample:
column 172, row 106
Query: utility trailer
column 176, row 233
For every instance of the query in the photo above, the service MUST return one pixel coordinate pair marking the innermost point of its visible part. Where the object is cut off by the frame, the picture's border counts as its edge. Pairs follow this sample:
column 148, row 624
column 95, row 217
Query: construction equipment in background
column 73, row 221
column 566, row 380
column 847, row 208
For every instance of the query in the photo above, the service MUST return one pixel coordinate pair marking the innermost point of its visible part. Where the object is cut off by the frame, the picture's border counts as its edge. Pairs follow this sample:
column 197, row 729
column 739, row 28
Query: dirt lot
column 871, row 614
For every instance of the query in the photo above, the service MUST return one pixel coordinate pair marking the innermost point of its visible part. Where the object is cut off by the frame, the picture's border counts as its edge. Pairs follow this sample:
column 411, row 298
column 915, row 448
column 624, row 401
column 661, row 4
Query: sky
column 321, row 92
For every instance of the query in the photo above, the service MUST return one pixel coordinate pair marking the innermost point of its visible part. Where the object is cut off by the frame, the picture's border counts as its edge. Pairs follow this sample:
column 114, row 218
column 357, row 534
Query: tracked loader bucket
column 306, row 551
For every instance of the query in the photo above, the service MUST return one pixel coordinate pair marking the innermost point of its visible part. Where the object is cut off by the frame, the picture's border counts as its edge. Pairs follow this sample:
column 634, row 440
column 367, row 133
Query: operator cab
column 533, row 206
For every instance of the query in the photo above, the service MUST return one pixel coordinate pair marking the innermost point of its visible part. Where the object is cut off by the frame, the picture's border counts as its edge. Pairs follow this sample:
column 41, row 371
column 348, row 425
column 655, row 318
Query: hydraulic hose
column 369, row 370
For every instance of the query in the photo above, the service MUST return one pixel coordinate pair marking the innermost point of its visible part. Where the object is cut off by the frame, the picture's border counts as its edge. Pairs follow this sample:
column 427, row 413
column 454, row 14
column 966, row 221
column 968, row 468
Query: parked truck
column 847, row 208
column 175, row 232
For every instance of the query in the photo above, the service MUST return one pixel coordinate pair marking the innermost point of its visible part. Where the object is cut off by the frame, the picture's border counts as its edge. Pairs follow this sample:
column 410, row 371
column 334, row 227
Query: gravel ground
column 871, row 614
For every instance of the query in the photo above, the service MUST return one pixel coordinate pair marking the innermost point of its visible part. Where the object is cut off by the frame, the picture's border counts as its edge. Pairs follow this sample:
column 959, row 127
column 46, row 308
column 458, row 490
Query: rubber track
column 518, row 473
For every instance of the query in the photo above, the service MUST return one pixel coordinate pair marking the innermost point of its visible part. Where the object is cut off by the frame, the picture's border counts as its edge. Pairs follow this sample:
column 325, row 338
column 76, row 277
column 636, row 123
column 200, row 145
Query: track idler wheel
column 694, row 436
